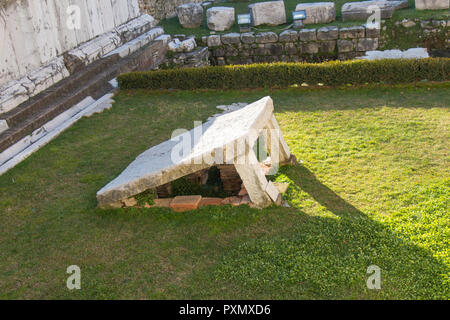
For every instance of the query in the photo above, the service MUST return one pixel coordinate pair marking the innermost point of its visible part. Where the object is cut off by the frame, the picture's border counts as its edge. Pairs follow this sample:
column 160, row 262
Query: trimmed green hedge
column 333, row 73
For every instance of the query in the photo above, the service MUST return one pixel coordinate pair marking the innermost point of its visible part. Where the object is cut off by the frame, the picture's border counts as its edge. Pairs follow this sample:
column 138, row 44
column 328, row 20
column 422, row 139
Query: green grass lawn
column 373, row 190
column 172, row 25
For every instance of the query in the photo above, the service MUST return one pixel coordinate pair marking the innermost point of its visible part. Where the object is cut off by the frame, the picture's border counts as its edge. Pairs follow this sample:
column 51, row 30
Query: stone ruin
column 225, row 142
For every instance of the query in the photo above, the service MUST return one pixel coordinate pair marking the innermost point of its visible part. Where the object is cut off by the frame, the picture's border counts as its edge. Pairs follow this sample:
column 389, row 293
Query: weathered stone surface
column 327, row 46
column 248, row 37
column 190, row 15
column 318, row 12
column 220, row 18
column 413, row 53
column 307, row 35
column 231, row 38
column 182, row 46
column 271, row 13
column 288, row 36
column 214, row 41
column 363, row 10
column 328, row 33
column 373, row 31
column 311, row 47
column 167, row 162
column 367, row 44
column 3, row 126
column 345, row 45
column 351, row 33
column 266, row 37
column 432, row 4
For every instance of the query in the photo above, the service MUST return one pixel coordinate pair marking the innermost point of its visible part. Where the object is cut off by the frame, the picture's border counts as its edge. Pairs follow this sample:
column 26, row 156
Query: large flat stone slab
column 364, row 9
column 318, row 12
column 218, row 141
column 272, row 13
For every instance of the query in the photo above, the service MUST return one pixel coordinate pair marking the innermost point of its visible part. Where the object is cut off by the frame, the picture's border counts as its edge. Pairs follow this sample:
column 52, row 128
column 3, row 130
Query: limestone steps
column 37, row 114
column 55, row 93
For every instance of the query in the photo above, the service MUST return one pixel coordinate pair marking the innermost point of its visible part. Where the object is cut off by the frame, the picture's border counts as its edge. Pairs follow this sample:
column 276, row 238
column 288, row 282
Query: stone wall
column 33, row 33
column 291, row 46
column 160, row 9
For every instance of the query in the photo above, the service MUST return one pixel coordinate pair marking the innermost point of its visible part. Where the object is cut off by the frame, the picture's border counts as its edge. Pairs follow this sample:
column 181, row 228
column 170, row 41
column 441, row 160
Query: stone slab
column 272, row 13
column 318, row 12
column 362, row 10
column 215, row 144
column 432, row 4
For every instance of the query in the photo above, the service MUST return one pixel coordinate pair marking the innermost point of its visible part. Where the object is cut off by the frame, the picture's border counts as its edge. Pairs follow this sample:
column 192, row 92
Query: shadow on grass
column 328, row 257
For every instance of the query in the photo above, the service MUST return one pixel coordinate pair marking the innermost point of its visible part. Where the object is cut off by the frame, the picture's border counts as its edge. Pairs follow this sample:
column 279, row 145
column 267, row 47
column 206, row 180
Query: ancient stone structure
column 220, row 18
column 291, row 45
column 432, row 4
column 190, row 15
column 364, row 9
column 69, row 73
column 227, row 139
column 271, row 13
column 161, row 9
column 318, row 12
column 45, row 34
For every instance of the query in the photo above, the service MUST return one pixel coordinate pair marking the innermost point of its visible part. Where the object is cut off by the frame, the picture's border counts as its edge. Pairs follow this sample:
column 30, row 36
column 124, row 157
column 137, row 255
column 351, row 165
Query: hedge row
column 333, row 73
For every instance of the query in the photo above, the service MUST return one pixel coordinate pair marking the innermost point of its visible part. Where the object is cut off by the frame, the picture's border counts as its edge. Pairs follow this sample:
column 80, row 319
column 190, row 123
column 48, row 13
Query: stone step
column 57, row 93
column 95, row 81
column 96, row 87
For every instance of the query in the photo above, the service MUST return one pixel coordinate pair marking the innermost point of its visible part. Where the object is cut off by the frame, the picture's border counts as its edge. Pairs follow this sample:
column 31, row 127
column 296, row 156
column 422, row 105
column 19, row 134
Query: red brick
column 185, row 203
column 210, row 202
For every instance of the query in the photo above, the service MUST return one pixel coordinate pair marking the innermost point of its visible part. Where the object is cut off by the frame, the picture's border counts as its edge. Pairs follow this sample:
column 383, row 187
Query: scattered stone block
column 243, row 192
column 307, row 35
column 187, row 45
column 185, row 203
column 360, row 10
column 327, row 33
column 318, row 12
column 272, row 13
column 432, row 4
column 220, row 18
column 190, row 15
